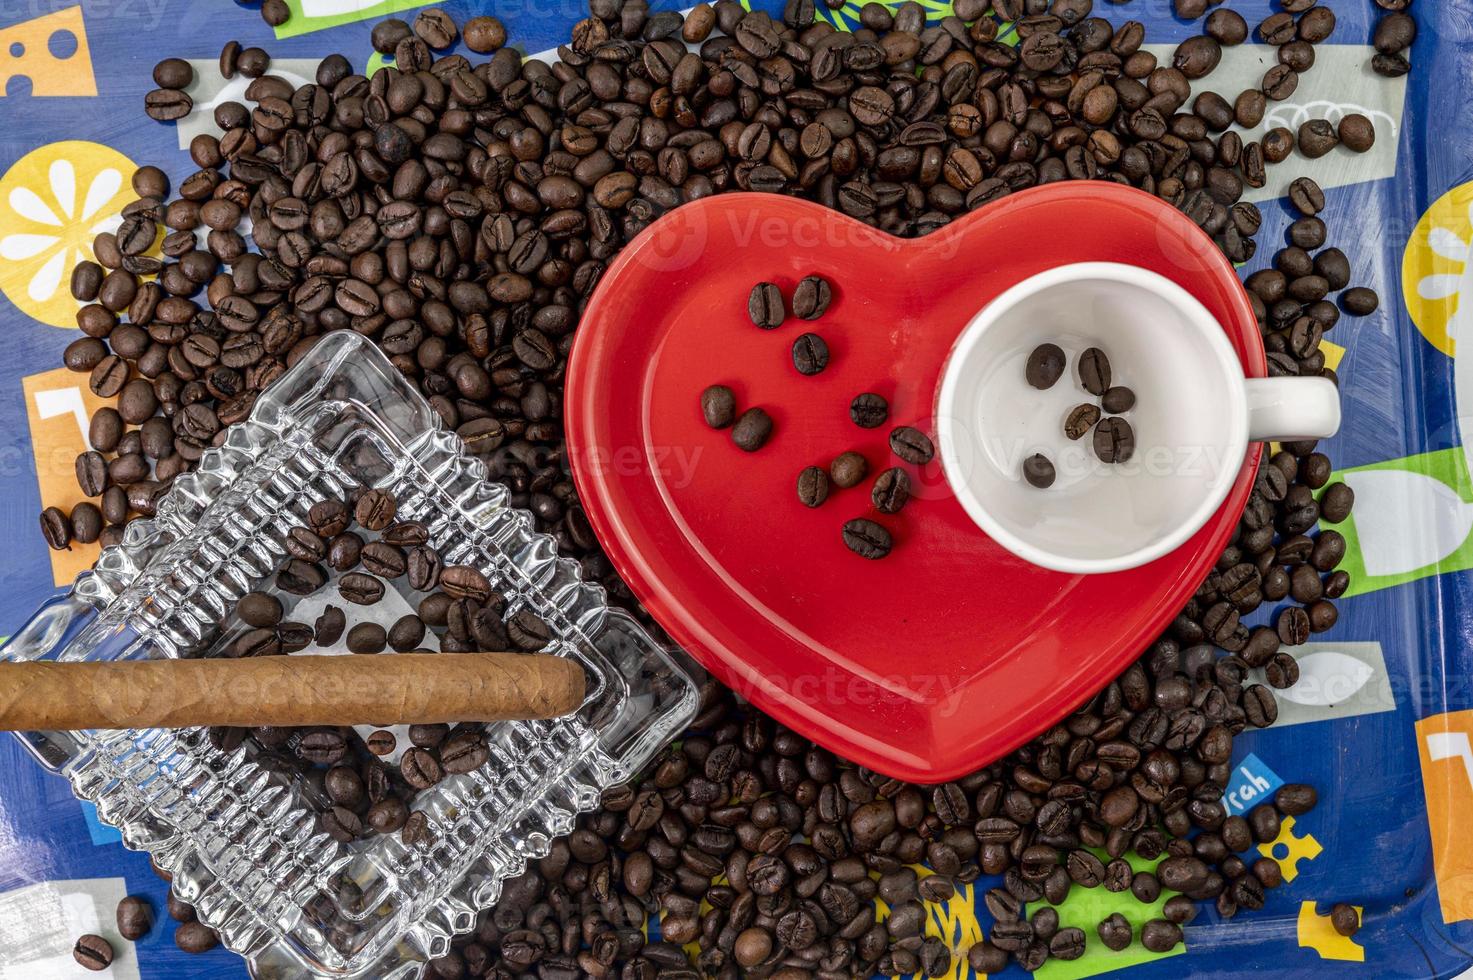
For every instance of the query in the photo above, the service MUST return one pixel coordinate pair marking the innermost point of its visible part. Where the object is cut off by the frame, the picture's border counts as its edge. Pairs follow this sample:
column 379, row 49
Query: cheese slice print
column 50, row 52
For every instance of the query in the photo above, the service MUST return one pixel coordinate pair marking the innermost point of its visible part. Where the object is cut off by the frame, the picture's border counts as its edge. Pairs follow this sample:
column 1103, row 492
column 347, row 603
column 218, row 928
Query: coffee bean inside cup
column 1045, row 366
column 1039, row 471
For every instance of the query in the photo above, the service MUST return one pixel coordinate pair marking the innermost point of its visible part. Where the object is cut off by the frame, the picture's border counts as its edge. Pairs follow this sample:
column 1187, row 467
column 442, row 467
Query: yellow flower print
column 1437, row 271
column 53, row 202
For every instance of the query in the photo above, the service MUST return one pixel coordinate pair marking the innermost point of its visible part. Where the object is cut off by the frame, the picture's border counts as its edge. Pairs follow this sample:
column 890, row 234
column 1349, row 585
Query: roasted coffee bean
column 891, row 491
column 1259, row 706
column 911, row 445
column 135, row 918
column 1196, row 57
column 367, row 638
column 1394, row 33
column 93, row 953
column 485, row 34
column 1114, row 440
column 1356, row 132
column 256, row 643
column 56, row 528
column 866, row 538
column 1116, row 932
column 328, row 628
column 260, row 609
column 718, row 406
column 464, row 753
column 848, row 470
column 328, row 518
column 428, row 736
column 813, row 486
column 416, row 830
column 1390, row 65
column 294, row 636
column 341, row 824
column 406, row 534
column 1345, row 919
column 528, row 631
column 109, row 376
column 423, row 568
column 1359, row 301
column 765, row 306
column 87, row 523
column 360, row 589
column 869, row 411
column 305, row 545
column 811, row 297
column 1118, row 400
column 322, row 746
column 752, row 430
column 1094, row 371
column 196, row 937
column 1317, row 137
column 375, row 510
column 1079, row 421
column 1227, row 26
column 419, row 769
column 345, row 551
column 407, row 633
column 106, row 430
column 1306, row 196
column 84, row 354
column 300, row 577
column 165, row 105
column 381, row 742
column 388, row 815
column 1160, row 935
column 465, row 582
column 1045, row 366
column 1296, row 799
column 436, row 28
column 92, row 473
column 1038, row 470
column 384, row 560
column 810, row 354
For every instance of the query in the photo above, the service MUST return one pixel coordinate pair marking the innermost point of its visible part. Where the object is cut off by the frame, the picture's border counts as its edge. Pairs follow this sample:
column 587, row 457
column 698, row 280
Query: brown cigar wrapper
column 352, row 689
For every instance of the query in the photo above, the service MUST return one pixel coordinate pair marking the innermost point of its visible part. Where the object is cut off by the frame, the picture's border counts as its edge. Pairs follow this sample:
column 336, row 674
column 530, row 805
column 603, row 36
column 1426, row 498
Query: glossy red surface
column 950, row 652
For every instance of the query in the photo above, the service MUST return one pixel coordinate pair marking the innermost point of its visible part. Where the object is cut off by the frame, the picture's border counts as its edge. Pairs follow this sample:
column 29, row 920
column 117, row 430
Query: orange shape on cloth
column 25, row 51
column 59, row 408
column 1445, row 744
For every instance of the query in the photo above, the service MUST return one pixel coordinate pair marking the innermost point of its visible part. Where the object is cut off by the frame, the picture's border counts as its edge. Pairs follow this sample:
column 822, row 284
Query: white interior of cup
column 1190, row 418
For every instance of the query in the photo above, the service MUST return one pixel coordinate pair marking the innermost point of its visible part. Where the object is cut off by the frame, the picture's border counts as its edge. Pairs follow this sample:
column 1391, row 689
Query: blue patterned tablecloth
column 1381, row 720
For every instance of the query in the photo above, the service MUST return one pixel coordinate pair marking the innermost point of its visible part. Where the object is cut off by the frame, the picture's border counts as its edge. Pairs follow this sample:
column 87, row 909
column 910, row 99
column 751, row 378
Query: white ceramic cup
column 1194, row 416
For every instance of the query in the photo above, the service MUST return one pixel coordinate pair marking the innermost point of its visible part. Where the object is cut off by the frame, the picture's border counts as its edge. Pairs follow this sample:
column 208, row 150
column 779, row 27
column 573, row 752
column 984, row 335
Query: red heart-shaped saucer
column 950, row 652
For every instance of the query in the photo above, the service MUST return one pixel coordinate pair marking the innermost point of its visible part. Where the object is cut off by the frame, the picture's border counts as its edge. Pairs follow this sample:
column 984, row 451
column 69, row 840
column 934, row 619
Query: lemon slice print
column 1437, row 270
column 53, row 202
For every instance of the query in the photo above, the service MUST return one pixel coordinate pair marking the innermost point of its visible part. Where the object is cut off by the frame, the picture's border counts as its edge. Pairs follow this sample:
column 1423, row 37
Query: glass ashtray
column 238, row 829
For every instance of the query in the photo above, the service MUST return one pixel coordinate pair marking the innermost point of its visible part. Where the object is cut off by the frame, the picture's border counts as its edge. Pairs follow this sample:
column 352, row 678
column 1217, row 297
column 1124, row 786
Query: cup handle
column 1288, row 409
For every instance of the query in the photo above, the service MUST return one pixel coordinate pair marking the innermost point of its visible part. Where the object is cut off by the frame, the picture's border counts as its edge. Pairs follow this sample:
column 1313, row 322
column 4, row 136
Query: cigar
column 351, row 689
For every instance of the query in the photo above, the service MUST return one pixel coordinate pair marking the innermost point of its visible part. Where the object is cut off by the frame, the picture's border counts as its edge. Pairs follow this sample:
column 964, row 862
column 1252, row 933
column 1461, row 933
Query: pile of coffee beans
column 803, row 843
column 890, row 491
column 768, row 309
column 460, row 213
column 749, row 431
column 369, row 548
column 1394, row 34
column 1114, row 437
column 135, row 918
